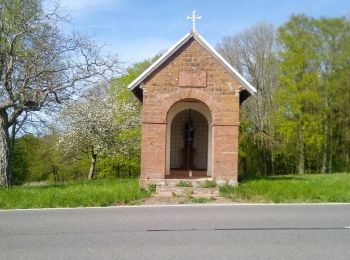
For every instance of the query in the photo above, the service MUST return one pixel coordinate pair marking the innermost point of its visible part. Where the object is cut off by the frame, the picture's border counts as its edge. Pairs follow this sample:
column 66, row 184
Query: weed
column 183, row 184
column 208, row 184
column 200, row 200
column 152, row 187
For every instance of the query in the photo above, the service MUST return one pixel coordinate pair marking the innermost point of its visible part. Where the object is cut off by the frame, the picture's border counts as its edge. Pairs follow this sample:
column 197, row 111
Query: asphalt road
column 178, row 232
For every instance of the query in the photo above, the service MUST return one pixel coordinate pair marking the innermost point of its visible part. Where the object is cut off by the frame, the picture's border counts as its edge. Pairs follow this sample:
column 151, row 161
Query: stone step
column 194, row 182
column 187, row 191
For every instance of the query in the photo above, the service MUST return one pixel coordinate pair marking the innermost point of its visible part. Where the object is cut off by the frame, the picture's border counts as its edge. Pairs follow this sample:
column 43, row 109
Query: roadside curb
column 188, row 205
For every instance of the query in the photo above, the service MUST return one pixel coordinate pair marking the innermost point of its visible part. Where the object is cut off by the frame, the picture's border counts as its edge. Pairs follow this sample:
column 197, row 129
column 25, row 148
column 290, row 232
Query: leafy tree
column 106, row 124
column 22, row 157
column 29, row 154
column 334, row 34
column 129, row 138
column 298, row 99
column 39, row 66
column 312, row 97
column 299, row 120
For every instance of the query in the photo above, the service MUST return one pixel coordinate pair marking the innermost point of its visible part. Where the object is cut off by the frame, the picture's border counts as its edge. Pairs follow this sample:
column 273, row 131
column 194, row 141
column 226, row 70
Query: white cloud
column 83, row 5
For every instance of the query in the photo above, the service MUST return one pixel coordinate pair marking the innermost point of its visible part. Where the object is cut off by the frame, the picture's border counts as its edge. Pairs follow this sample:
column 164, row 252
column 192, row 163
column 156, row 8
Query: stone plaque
column 196, row 79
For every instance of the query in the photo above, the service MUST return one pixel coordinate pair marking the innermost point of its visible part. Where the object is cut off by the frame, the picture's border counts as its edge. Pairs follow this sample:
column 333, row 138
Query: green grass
column 73, row 194
column 292, row 188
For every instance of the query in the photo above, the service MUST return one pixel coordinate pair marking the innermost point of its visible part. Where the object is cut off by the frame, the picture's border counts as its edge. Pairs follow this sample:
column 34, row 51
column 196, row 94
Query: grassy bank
column 73, row 194
column 292, row 188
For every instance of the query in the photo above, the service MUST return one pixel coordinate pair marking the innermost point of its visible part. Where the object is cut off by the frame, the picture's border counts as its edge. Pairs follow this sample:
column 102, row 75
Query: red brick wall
column 153, row 151
column 161, row 91
column 225, row 151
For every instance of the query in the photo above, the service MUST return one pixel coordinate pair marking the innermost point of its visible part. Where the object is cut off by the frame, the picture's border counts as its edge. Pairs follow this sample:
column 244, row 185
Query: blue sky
column 138, row 29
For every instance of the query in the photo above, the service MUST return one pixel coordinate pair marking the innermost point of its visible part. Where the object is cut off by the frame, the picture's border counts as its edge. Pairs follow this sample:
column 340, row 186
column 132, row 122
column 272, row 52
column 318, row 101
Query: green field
column 292, row 188
column 74, row 194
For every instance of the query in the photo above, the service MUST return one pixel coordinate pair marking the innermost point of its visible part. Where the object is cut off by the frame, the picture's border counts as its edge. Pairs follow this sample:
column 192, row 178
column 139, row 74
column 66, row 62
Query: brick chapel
column 190, row 116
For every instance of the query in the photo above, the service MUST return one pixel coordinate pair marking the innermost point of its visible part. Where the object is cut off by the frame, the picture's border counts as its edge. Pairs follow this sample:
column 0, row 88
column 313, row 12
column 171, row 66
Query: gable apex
column 136, row 85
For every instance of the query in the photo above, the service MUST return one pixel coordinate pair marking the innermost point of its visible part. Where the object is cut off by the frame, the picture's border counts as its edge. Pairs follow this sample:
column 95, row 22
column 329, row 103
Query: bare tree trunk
column 286, row 168
column 268, row 162
column 272, row 163
column 346, row 162
column 302, row 162
column 325, row 148
column 13, row 136
column 301, row 151
column 5, row 154
column 264, row 163
column 330, row 159
column 92, row 164
column 346, row 146
column 244, row 167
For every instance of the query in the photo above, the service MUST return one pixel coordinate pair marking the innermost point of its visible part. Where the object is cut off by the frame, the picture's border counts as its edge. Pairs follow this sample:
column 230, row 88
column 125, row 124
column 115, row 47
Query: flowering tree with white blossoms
column 93, row 124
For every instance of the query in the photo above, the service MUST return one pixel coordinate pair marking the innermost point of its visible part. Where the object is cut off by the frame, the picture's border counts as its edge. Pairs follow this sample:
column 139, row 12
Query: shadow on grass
column 243, row 179
column 70, row 184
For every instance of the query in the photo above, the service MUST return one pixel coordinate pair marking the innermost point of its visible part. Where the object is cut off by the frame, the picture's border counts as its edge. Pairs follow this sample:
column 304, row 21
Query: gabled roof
column 192, row 34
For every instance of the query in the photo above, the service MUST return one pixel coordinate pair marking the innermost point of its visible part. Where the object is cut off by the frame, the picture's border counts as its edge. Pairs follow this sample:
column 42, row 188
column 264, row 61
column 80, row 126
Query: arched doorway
column 189, row 140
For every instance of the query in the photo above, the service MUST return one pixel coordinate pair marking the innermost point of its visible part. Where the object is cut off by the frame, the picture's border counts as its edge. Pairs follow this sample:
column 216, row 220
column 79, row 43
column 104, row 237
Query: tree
column 39, row 66
column 105, row 122
column 253, row 54
column 130, row 136
column 334, row 74
column 29, row 154
column 89, row 126
column 297, row 97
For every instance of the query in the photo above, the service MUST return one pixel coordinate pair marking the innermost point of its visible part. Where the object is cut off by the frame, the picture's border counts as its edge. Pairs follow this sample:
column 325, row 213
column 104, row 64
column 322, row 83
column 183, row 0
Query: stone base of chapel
column 194, row 181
